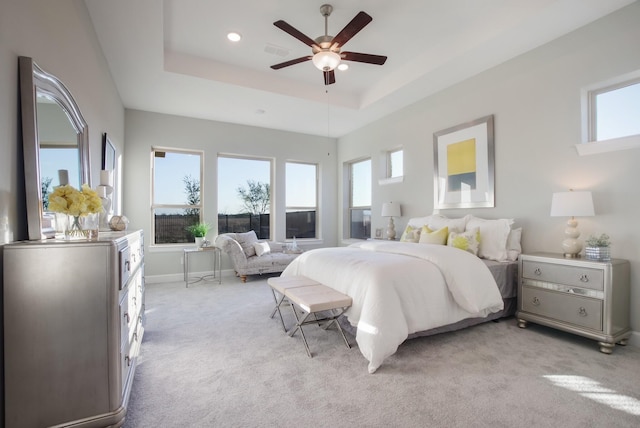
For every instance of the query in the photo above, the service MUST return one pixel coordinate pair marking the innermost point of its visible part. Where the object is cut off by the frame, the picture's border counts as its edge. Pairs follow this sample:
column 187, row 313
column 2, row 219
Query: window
column 610, row 112
column 614, row 111
column 360, row 199
column 301, row 200
column 176, row 194
column 244, row 195
column 394, row 163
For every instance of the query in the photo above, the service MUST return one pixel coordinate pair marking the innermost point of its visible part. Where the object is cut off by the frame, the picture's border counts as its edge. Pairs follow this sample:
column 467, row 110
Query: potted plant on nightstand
column 598, row 247
column 199, row 231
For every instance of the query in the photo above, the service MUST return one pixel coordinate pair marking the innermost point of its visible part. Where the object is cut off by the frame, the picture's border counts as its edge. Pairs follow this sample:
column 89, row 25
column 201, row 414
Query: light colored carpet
column 211, row 357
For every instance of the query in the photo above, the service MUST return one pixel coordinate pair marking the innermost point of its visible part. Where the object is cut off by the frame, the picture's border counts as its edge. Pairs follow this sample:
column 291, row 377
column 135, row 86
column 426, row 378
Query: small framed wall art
column 108, row 154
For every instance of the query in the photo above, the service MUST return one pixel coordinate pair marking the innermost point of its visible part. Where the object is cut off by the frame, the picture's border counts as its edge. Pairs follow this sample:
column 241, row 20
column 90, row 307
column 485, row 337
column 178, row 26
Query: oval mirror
column 55, row 138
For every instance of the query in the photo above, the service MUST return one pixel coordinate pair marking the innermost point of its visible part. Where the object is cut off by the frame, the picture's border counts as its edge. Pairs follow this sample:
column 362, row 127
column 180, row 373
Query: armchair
column 241, row 249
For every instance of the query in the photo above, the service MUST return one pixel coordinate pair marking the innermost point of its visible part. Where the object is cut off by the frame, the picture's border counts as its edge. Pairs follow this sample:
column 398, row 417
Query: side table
column 586, row 297
column 214, row 251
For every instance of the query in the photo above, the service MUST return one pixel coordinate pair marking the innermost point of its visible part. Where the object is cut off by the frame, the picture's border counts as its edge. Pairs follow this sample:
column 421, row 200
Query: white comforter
column 401, row 288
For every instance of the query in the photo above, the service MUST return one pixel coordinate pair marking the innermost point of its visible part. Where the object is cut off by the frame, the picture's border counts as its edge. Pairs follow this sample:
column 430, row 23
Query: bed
column 407, row 289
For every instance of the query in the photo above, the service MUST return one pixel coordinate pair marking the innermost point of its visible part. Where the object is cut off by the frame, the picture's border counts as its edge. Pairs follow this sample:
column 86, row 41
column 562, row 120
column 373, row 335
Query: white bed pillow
column 438, row 221
column 418, row 222
column 493, row 237
column 514, row 249
column 261, row 248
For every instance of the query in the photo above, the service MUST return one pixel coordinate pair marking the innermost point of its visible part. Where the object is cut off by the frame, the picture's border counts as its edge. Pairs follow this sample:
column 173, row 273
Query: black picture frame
column 108, row 154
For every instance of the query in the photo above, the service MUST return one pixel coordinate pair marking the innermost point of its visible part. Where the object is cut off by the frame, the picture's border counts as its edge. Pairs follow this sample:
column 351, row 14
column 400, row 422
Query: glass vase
column 82, row 227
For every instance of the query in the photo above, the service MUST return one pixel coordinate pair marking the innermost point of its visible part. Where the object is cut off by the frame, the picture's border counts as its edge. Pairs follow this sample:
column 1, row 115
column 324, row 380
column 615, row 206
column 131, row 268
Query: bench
column 310, row 297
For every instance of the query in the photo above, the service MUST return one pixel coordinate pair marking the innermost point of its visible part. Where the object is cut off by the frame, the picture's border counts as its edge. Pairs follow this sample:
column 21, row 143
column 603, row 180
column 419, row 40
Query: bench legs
column 277, row 308
column 328, row 321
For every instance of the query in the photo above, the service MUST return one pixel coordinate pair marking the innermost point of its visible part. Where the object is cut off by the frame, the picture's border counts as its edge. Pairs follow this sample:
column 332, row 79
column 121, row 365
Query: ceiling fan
column 326, row 49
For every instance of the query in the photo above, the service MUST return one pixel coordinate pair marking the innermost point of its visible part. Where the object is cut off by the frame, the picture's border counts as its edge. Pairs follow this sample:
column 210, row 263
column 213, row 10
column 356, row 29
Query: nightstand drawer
column 577, row 310
column 563, row 274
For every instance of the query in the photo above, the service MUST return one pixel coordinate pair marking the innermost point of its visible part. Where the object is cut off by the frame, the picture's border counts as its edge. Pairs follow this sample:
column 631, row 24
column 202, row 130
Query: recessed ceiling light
column 343, row 66
column 234, row 37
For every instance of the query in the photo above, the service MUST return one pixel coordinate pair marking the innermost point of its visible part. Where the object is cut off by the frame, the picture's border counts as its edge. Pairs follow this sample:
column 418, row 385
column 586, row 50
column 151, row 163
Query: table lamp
column 572, row 204
column 391, row 210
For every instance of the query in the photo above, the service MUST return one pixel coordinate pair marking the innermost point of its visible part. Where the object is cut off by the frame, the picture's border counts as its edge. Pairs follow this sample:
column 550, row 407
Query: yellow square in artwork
column 461, row 157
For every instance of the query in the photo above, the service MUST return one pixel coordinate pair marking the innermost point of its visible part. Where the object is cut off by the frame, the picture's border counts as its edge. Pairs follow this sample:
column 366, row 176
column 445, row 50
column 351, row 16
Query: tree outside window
column 244, row 195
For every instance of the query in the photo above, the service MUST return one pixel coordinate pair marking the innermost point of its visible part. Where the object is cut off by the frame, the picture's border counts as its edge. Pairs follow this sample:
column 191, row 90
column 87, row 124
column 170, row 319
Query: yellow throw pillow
column 410, row 234
column 438, row 237
column 467, row 241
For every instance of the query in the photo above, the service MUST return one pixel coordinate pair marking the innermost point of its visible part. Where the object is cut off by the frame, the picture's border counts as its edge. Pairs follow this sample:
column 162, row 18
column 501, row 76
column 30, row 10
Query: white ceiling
column 173, row 57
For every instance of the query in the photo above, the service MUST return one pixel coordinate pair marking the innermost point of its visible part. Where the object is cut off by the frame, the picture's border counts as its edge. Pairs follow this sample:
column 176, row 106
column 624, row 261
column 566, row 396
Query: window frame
column 353, row 207
column 589, row 144
column 271, row 210
column 317, row 208
column 387, row 170
column 154, row 206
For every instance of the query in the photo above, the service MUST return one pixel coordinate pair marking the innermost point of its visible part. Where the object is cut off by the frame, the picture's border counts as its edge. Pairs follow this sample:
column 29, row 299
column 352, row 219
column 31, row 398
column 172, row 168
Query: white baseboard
column 634, row 340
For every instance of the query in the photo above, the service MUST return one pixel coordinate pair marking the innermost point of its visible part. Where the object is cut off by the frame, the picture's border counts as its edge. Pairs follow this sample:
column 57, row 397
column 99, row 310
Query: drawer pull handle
column 538, row 271
column 126, row 316
column 584, row 277
column 127, row 266
column 582, row 312
column 127, row 360
column 535, row 301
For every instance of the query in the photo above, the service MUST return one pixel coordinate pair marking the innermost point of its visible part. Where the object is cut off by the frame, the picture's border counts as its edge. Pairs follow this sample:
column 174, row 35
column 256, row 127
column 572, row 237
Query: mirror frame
column 34, row 80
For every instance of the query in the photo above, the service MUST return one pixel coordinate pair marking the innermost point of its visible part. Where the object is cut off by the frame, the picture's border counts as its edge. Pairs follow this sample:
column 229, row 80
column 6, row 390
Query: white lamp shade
column 572, row 204
column 390, row 209
column 326, row 60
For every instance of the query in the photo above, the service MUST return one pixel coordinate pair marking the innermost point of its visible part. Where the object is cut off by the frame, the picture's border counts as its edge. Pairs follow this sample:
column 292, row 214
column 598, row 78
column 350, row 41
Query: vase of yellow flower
column 82, row 208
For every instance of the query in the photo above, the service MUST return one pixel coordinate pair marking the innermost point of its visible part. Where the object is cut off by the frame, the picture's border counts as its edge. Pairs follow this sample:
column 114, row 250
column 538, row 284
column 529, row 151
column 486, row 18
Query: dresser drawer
column 563, row 274
column 569, row 308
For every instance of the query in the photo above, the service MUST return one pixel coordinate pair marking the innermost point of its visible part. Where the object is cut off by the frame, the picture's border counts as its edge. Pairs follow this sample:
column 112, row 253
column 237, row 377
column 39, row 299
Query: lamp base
column 571, row 246
column 571, row 255
column 391, row 230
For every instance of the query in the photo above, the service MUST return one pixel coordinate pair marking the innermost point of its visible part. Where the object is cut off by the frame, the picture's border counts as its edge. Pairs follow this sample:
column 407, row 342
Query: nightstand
column 585, row 297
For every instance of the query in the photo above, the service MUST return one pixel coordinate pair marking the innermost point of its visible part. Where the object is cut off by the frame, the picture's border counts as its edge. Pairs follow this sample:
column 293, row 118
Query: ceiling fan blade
column 295, row 33
column 351, row 29
column 291, row 62
column 361, row 57
column 329, row 77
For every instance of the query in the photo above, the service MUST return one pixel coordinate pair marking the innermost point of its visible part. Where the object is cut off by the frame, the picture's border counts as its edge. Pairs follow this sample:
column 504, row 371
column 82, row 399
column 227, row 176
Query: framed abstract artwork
column 464, row 165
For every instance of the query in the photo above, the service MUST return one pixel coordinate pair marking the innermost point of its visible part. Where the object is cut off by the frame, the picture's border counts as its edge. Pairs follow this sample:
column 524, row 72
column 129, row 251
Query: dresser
column 585, row 297
column 73, row 324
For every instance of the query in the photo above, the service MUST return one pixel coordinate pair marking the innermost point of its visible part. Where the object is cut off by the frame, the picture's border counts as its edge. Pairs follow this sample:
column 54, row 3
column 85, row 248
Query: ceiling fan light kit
column 326, row 60
column 326, row 49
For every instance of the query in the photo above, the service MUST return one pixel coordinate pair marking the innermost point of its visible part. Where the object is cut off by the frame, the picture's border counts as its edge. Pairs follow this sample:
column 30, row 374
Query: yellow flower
column 68, row 200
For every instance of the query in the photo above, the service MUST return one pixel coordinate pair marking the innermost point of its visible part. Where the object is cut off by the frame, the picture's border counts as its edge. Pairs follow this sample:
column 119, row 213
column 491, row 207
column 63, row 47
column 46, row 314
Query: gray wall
column 145, row 130
column 58, row 35
column 536, row 102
